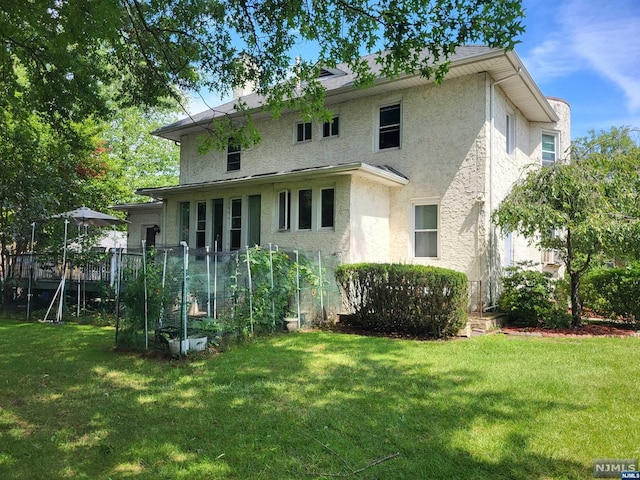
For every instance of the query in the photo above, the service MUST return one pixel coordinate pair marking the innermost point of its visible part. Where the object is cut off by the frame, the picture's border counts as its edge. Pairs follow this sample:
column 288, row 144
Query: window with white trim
column 305, row 209
column 284, row 210
column 235, row 230
column 303, row 132
column 425, row 230
column 233, row 157
column 549, row 149
column 201, row 224
column 184, row 221
column 510, row 134
column 327, row 207
column 389, row 123
column 332, row 128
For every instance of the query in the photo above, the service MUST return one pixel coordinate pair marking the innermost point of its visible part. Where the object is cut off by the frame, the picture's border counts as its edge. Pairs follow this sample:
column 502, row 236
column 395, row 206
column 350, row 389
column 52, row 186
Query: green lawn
column 315, row 405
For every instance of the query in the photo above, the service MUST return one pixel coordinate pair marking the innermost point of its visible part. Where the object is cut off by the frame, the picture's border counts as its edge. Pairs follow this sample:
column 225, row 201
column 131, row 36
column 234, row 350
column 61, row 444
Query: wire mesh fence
column 181, row 298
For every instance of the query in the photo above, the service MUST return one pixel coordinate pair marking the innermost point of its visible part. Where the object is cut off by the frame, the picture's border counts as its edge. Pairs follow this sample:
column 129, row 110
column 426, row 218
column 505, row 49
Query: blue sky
column 586, row 52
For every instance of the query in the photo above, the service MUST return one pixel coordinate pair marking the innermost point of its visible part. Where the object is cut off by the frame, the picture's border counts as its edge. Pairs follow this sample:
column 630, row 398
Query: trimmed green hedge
column 413, row 299
column 613, row 292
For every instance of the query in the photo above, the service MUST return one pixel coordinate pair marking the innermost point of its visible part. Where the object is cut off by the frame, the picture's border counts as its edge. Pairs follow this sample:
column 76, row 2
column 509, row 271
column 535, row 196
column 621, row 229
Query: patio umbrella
column 86, row 217
column 83, row 217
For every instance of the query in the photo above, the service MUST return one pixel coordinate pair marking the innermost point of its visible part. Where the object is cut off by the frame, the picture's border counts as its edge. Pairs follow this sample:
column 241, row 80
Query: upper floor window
column 303, row 131
column 510, row 134
column 332, row 128
column 389, row 127
column 425, row 230
column 549, row 149
column 233, row 157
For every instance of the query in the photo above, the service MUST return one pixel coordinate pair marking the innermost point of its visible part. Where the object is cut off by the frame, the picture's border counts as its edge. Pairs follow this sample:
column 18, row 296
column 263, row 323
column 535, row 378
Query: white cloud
column 606, row 36
column 550, row 60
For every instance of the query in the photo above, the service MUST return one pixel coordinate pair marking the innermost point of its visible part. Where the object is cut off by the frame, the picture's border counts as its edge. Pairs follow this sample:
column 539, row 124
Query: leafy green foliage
column 405, row 298
column 583, row 207
column 270, row 305
column 143, row 297
column 70, row 59
column 527, row 298
column 613, row 292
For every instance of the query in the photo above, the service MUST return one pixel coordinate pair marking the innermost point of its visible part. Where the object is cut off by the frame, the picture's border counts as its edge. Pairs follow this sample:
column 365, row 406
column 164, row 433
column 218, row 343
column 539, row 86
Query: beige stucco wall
column 369, row 233
column 451, row 139
column 139, row 219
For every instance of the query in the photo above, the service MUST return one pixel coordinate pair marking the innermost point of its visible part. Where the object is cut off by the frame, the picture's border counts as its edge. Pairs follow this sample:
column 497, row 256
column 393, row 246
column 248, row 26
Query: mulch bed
column 586, row 330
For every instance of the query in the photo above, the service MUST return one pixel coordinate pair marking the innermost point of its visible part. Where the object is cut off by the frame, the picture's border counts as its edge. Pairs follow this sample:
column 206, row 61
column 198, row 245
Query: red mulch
column 587, row 330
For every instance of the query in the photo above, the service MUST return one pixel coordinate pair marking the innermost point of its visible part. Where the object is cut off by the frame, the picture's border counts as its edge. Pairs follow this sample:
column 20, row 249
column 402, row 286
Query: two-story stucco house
column 408, row 171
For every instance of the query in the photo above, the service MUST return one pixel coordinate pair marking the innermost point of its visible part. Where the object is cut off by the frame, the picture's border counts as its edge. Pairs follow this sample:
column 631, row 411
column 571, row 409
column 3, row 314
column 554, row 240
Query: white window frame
column 242, row 228
column 233, row 153
column 510, row 133
column 201, row 223
column 287, row 211
column 556, row 142
column 292, row 195
column 414, row 230
column 312, row 220
column 379, row 127
column 304, row 132
column 320, row 212
column 330, row 125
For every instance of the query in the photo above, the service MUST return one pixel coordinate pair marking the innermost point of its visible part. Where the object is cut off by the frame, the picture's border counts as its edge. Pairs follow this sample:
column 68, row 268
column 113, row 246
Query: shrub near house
column 412, row 299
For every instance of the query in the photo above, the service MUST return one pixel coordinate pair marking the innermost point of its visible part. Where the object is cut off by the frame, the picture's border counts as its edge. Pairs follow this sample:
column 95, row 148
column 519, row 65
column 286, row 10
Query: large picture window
column 425, row 235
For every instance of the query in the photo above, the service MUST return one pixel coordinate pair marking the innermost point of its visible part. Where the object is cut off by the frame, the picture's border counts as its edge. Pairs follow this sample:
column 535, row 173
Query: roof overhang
column 503, row 66
column 134, row 207
column 378, row 174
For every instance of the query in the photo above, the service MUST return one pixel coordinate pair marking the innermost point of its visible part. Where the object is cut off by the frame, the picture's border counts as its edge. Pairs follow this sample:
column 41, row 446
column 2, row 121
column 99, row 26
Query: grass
column 314, row 405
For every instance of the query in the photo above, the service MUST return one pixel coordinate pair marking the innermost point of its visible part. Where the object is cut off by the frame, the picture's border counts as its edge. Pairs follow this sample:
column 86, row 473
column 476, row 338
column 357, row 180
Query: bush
column 613, row 292
column 405, row 298
column 527, row 298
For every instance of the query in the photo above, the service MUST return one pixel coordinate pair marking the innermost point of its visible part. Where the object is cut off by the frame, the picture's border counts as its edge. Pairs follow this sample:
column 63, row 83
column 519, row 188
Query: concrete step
column 479, row 325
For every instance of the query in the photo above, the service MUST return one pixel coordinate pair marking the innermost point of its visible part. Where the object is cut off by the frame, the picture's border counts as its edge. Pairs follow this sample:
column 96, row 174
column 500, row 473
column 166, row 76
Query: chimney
column 249, row 71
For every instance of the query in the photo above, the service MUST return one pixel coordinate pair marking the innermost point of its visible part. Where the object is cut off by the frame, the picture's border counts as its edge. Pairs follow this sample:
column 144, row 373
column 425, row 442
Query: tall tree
column 136, row 158
column 583, row 208
column 62, row 55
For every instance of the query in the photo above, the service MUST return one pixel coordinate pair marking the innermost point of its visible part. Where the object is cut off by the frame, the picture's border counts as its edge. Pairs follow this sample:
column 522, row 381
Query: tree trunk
column 576, row 304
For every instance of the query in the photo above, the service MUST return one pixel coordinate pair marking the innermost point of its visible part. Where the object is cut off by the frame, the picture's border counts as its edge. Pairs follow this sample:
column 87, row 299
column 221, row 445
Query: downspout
column 492, row 231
